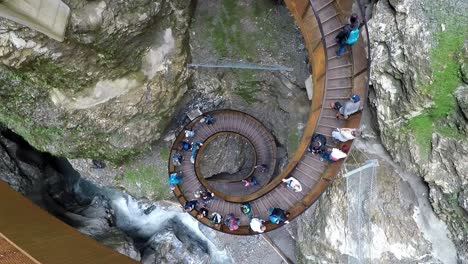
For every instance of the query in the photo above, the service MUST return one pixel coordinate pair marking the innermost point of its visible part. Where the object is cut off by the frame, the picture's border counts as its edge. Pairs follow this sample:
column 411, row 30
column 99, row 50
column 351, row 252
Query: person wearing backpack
column 174, row 179
column 278, row 216
column 348, row 35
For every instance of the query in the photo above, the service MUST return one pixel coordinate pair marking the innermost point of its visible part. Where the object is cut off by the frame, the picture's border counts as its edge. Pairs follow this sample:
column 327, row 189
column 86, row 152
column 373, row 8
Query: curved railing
column 319, row 22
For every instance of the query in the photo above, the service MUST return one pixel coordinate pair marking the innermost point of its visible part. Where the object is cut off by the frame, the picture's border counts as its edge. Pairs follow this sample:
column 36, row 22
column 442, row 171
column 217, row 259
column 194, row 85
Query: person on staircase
column 177, row 159
column 189, row 133
column 257, row 225
column 351, row 106
column 205, row 196
column 207, row 119
column 190, row 205
column 278, row 216
column 216, row 219
column 293, row 184
column 195, row 147
column 174, row 179
column 333, row 154
column 345, row 134
column 251, row 181
column 246, row 208
column 317, row 144
column 185, row 145
column 232, row 222
column 203, row 213
column 263, row 168
column 348, row 35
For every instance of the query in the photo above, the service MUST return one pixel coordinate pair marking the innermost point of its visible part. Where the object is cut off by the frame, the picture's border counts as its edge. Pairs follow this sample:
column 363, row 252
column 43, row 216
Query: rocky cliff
column 108, row 90
column 417, row 64
column 418, row 113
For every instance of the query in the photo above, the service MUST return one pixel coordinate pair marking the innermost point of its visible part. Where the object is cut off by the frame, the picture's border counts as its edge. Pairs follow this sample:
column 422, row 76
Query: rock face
column 166, row 247
column 382, row 219
column 35, row 175
column 105, row 92
column 414, row 127
column 226, row 157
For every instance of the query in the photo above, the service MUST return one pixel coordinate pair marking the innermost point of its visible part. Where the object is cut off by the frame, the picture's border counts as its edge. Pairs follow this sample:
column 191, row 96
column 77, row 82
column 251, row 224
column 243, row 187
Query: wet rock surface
column 228, row 157
column 417, row 135
column 108, row 90
column 167, row 247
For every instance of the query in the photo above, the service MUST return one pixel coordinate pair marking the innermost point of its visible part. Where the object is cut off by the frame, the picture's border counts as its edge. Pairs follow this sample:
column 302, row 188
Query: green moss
column 237, row 31
column 248, row 86
column 149, row 180
column 54, row 75
column 293, row 141
column 450, row 132
column 445, row 81
column 164, row 153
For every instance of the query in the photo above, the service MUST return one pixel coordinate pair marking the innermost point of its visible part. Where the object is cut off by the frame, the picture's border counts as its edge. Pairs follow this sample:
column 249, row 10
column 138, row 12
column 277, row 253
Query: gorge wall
column 418, row 119
column 419, row 97
column 108, row 90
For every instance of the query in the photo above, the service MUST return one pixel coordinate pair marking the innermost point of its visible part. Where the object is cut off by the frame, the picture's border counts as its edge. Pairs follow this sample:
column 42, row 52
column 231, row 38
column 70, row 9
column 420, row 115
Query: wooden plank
column 44, row 237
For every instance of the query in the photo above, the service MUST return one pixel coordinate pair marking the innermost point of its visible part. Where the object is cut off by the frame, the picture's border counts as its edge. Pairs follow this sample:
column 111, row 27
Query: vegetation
column 164, row 153
column 445, row 80
column 238, row 31
column 293, row 141
column 150, row 181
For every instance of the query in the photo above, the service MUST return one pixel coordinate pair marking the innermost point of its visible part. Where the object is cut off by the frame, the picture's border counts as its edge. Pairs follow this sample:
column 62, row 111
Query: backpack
column 353, row 37
column 174, row 179
column 274, row 219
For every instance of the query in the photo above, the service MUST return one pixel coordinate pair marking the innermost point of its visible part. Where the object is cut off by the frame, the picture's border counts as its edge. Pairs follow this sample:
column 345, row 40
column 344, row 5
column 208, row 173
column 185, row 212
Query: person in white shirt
column 189, row 133
column 257, row 225
column 345, row 134
column 293, row 183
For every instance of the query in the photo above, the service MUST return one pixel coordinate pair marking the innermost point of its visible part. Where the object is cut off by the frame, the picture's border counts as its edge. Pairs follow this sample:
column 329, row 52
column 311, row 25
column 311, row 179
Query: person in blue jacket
column 348, row 35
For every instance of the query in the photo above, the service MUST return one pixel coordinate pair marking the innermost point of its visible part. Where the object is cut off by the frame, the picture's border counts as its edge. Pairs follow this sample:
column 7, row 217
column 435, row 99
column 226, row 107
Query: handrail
column 318, row 55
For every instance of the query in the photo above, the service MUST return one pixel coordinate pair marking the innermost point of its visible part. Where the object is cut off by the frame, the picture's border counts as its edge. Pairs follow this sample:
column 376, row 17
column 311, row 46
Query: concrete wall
column 47, row 16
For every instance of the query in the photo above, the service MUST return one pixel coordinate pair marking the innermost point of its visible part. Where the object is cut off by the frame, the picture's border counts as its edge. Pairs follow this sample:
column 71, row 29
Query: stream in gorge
column 146, row 222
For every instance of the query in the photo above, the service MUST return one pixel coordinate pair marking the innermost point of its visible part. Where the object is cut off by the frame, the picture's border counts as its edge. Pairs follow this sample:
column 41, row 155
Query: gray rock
column 166, row 247
column 400, row 33
column 108, row 90
column 463, row 199
column 462, row 99
column 102, row 177
column 464, row 62
column 120, row 242
column 226, row 156
column 389, row 234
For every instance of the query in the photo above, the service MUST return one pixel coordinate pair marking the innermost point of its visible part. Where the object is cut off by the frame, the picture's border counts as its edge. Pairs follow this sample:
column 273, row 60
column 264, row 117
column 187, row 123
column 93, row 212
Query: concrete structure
column 47, row 16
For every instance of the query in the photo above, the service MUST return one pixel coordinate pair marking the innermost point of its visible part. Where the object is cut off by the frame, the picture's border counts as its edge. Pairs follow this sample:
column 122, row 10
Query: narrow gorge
column 87, row 125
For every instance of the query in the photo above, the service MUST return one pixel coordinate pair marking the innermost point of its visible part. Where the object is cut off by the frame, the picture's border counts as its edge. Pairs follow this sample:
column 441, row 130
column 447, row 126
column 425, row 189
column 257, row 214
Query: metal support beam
column 245, row 66
column 368, row 164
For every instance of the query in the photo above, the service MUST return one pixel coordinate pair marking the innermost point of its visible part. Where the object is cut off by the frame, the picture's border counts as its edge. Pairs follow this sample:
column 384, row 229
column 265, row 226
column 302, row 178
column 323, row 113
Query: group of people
column 318, row 143
column 347, row 37
column 202, row 199
column 194, row 146
column 185, row 145
column 231, row 221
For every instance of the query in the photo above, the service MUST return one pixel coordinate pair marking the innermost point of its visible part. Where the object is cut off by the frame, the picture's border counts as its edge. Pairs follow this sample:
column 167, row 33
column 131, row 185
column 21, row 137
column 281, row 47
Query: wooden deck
column 335, row 79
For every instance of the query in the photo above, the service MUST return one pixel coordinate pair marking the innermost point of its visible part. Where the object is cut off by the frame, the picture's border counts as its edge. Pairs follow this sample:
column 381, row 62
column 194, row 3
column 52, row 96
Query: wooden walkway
column 335, row 79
